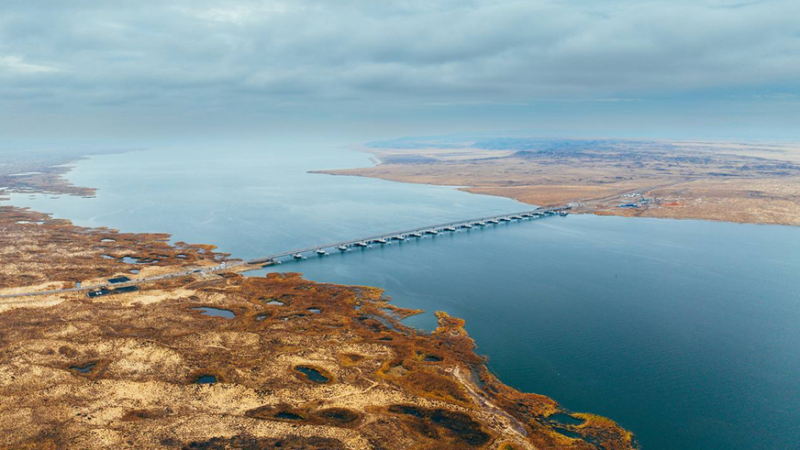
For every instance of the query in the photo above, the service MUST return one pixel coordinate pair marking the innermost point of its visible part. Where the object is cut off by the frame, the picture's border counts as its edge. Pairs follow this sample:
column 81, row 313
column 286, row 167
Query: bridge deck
column 391, row 234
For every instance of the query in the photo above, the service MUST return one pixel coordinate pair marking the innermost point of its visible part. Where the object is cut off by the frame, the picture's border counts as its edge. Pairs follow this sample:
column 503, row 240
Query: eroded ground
column 753, row 183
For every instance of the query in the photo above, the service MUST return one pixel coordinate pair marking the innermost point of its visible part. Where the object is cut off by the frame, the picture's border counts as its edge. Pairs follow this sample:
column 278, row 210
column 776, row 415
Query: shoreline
column 756, row 198
column 575, row 210
column 497, row 409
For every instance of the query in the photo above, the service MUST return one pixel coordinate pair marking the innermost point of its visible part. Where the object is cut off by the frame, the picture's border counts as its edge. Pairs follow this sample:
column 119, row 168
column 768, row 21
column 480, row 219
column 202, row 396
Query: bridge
column 402, row 235
column 385, row 238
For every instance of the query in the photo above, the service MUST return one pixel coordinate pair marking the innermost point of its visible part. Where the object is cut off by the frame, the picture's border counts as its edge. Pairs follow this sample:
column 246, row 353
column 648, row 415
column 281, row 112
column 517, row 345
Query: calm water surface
column 685, row 332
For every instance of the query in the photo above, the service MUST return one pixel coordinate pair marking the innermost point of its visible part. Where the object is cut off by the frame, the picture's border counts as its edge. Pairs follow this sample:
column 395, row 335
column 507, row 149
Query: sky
column 682, row 68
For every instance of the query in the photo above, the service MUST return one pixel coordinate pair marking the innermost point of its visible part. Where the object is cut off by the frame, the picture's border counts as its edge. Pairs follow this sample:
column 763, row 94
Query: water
column 84, row 369
column 253, row 200
column 312, row 374
column 206, row 379
column 216, row 312
column 685, row 332
column 565, row 419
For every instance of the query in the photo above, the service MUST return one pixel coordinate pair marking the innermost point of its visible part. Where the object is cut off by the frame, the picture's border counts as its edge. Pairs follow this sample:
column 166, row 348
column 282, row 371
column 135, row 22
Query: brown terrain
column 748, row 183
column 294, row 365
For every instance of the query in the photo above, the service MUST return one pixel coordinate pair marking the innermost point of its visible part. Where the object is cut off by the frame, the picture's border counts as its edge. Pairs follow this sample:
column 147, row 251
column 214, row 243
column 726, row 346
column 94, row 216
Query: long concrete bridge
column 385, row 238
column 402, row 235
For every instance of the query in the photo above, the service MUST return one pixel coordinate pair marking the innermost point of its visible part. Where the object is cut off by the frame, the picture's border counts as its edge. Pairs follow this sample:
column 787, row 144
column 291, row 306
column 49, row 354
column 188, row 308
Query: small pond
column 312, row 374
column 215, row 312
column 84, row 369
column 206, row 379
column 134, row 260
column 565, row 419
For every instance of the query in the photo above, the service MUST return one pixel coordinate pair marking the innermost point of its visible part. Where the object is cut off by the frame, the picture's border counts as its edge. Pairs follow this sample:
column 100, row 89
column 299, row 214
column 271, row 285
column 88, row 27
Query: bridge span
column 385, row 238
column 402, row 235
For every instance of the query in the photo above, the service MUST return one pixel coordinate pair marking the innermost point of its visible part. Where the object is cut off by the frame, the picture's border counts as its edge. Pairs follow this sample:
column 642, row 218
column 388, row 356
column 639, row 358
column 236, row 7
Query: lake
column 685, row 332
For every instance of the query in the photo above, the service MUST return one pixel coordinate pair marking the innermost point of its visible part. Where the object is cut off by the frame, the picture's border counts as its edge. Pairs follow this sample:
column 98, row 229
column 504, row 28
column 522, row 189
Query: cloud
column 14, row 64
column 236, row 14
column 258, row 55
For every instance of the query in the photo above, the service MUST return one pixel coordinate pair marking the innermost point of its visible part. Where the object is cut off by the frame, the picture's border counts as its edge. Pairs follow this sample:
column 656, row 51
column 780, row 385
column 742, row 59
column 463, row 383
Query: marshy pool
column 87, row 368
column 312, row 374
column 206, row 379
column 215, row 312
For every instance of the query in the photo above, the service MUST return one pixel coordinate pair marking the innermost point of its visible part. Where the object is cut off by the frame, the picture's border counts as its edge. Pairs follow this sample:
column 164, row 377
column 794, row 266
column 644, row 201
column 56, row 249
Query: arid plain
column 726, row 181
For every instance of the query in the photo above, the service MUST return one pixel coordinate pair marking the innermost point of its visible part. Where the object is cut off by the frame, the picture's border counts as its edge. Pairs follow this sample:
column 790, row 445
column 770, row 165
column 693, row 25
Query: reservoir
column 685, row 332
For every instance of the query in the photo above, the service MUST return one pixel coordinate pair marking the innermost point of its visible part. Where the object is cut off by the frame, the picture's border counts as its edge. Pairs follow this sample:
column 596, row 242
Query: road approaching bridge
column 385, row 238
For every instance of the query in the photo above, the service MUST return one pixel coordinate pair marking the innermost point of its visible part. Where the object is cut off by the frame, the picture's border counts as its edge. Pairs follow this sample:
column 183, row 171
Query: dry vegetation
column 122, row 372
column 40, row 253
column 699, row 180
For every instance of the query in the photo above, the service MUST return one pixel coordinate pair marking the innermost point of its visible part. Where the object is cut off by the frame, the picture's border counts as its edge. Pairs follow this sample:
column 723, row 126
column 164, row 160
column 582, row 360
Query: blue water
column 253, row 200
column 312, row 374
column 206, row 379
column 216, row 312
column 685, row 332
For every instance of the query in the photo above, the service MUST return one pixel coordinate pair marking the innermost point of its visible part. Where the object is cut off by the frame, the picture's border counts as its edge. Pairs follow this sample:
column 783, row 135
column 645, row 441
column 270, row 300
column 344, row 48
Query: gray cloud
column 263, row 55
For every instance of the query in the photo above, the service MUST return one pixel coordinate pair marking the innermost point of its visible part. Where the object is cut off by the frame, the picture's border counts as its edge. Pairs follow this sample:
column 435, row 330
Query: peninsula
column 726, row 181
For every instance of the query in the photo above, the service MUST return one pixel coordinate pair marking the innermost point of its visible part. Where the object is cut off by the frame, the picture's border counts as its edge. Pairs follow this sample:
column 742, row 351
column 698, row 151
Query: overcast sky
column 601, row 67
